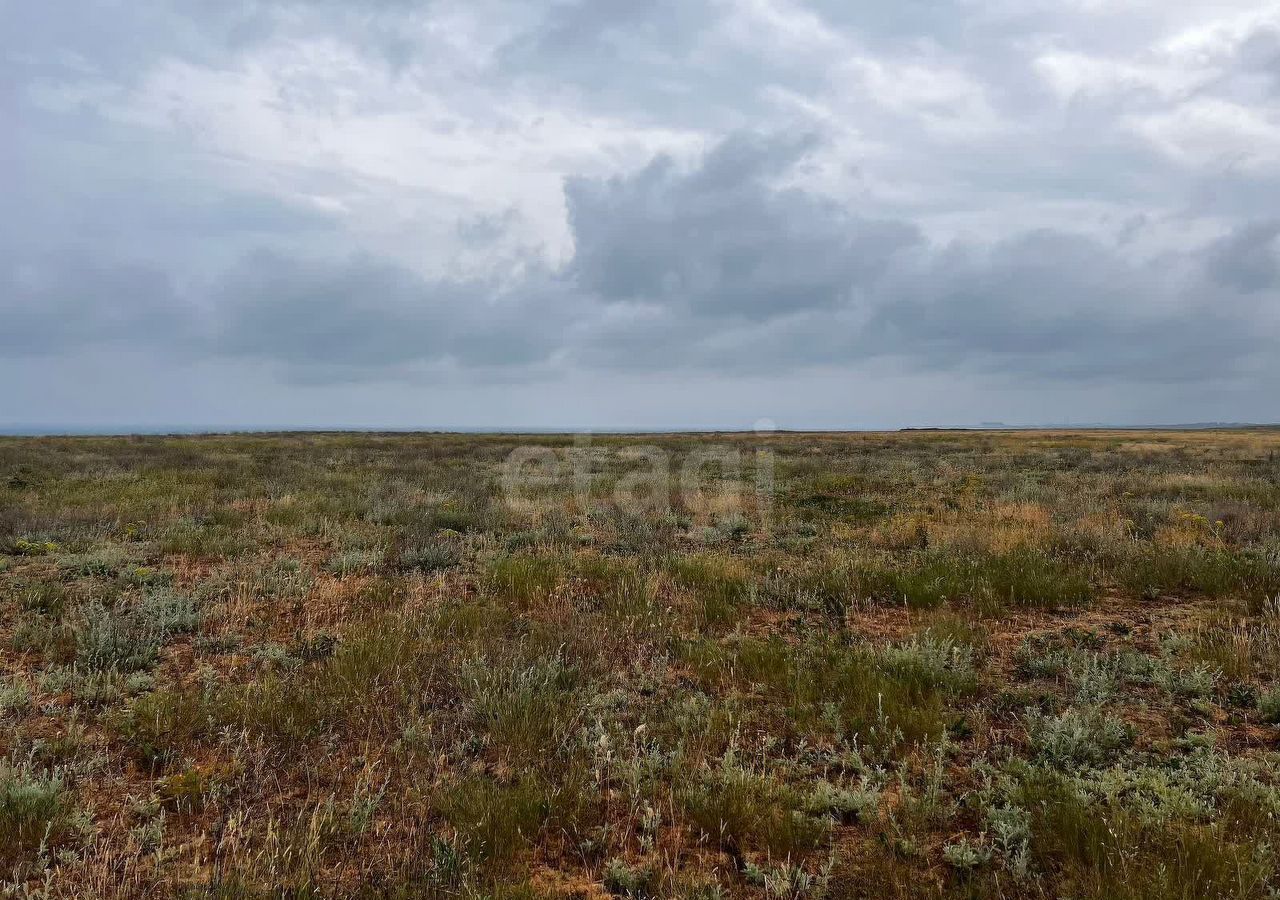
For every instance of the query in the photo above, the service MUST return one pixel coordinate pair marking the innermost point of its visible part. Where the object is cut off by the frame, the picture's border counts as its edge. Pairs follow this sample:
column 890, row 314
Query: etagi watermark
column 720, row 479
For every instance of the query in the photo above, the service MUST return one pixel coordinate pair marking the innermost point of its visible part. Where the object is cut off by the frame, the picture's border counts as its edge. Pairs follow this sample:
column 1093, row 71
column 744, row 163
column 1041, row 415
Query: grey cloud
column 638, row 59
column 485, row 229
column 1260, row 52
column 362, row 317
column 1248, row 259
column 984, row 235
column 359, row 312
column 117, row 36
column 1056, row 305
column 1233, row 195
column 722, row 239
column 63, row 304
column 603, row 38
column 580, row 26
column 817, row 286
column 723, row 266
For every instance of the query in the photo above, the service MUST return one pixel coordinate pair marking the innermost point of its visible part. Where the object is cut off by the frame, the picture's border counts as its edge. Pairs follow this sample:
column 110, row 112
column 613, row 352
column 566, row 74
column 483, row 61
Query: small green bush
column 457, row 519
column 49, row 598
column 1269, row 706
column 965, row 854
column 1075, row 739
column 33, row 547
column 354, row 562
column 429, row 558
column 524, row 578
column 171, row 612
column 528, row 710
column 844, row 804
column 1209, row 572
column 117, row 639
column 105, row 563
column 161, row 725
column 624, row 880
column 719, row 589
column 35, row 810
column 93, row 687
column 15, row 696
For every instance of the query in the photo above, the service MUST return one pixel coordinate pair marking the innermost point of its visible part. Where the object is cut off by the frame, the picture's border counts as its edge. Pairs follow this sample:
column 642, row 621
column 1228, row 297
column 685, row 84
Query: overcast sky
column 638, row 213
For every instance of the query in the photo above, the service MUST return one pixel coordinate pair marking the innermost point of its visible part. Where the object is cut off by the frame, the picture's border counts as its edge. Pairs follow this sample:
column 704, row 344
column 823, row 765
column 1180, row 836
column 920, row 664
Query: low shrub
column 427, row 558
column 845, row 804
column 624, row 880
column 1075, row 739
column 528, row 710
column 822, row 687
column 118, row 639
column 354, row 562
column 1269, row 706
column 1200, row 570
column 35, row 811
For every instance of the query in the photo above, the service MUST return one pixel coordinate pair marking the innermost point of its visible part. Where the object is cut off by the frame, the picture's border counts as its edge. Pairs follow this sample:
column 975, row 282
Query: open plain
column 915, row 664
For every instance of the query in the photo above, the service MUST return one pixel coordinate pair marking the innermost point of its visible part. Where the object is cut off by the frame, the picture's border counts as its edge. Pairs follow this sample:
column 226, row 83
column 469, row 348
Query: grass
column 35, row 812
column 822, row 689
column 1213, row 572
column 718, row 585
column 528, row 711
column 741, row 810
column 428, row 558
column 524, row 578
column 494, row 822
column 947, row 664
column 1101, row 849
column 1017, row 579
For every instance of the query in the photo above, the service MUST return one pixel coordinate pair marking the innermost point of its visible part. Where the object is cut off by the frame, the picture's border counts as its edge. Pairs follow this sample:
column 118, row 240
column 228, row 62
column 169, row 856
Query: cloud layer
column 946, row 210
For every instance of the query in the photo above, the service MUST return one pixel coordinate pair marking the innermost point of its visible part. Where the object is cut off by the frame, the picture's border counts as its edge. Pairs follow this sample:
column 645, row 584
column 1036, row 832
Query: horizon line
column 34, row 430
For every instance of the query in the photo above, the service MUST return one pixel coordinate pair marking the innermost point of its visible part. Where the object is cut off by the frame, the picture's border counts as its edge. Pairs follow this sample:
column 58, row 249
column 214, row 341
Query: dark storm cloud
column 718, row 267
column 360, row 312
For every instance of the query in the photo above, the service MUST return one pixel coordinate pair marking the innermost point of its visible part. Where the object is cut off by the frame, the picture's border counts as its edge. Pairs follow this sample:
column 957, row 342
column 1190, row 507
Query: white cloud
column 1215, row 133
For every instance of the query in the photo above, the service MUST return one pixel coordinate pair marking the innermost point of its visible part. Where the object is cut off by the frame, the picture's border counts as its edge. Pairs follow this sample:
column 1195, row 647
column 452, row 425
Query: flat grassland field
column 919, row 664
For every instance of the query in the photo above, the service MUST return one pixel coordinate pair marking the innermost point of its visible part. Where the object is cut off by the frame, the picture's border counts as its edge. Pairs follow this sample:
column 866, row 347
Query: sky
column 638, row 214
